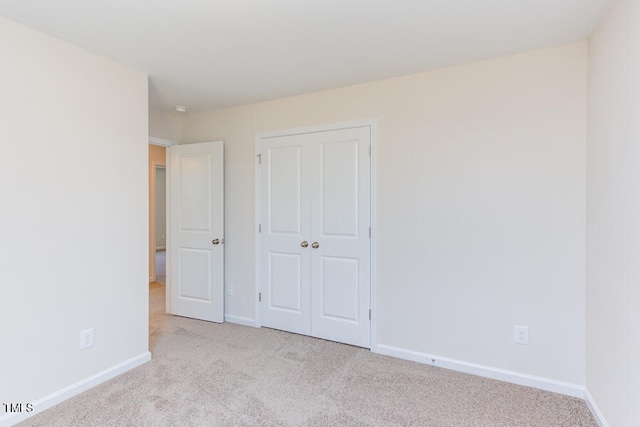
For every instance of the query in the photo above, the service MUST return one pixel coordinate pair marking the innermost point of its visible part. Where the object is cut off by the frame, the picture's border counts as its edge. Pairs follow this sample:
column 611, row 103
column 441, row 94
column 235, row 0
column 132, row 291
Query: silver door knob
column 315, row 245
column 304, row 244
column 215, row 241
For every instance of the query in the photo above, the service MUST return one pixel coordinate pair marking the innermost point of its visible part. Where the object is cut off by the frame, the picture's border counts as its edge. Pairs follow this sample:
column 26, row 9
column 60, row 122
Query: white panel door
column 284, row 263
column 340, row 247
column 197, row 227
column 315, row 246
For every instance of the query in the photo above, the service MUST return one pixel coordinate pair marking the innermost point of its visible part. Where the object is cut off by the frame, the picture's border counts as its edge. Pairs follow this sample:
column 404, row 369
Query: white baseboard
column 593, row 407
column 569, row 389
column 72, row 390
column 239, row 320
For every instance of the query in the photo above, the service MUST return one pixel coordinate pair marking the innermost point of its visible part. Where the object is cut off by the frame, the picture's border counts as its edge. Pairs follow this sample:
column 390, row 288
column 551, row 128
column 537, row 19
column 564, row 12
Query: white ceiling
column 208, row 54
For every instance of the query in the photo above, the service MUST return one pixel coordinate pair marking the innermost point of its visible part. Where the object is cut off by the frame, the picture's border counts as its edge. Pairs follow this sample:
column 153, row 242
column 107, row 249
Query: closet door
column 285, row 263
column 315, row 245
column 340, row 242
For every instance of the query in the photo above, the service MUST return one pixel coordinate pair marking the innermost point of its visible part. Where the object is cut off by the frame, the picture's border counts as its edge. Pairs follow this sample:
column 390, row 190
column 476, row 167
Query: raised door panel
column 284, row 189
column 194, row 272
column 339, row 291
column 194, row 195
column 339, row 189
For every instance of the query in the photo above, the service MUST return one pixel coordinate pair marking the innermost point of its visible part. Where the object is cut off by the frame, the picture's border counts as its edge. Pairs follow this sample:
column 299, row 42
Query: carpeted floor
column 205, row 374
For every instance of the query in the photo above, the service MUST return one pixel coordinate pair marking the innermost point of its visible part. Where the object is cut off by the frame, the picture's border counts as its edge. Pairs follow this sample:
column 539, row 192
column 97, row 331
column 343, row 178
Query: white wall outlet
column 521, row 335
column 229, row 289
column 86, row 339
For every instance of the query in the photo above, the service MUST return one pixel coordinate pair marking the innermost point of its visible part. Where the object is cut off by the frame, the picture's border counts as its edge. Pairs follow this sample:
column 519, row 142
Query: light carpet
column 205, row 374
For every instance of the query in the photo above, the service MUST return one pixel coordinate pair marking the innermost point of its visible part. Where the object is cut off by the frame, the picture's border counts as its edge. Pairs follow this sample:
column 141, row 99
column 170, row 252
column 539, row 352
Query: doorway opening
column 158, row 235
column 161, row 224
column 157, row 172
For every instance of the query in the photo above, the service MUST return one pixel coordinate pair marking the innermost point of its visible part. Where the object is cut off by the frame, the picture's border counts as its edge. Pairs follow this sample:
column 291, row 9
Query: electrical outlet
column 229, row 289
column 86, row 339
column 521, row 335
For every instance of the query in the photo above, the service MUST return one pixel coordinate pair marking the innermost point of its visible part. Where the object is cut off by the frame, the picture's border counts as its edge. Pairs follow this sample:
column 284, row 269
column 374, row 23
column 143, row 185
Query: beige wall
column 73, row 213
column 157, row 157
column 481, row 205
column 165, row 125
column 613, row 217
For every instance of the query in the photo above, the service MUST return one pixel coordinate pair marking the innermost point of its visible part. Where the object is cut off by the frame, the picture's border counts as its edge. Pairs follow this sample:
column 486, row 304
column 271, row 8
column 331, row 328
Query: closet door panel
column 284, row 262
column 340, row 220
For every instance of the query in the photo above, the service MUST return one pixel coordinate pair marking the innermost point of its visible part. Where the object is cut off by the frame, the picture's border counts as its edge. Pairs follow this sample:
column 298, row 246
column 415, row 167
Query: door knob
column 215, row 241
column 315, row 245
column 304, row 244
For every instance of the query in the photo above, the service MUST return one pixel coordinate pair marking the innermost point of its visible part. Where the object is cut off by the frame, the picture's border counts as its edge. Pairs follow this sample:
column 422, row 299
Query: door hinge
column 369, row 314
column 259, row 228
column 259, row 296
column 369, row 232
column 259, row 156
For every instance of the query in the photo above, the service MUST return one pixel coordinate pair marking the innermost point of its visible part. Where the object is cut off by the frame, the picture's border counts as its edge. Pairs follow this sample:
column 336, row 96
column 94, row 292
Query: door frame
column 372, row 124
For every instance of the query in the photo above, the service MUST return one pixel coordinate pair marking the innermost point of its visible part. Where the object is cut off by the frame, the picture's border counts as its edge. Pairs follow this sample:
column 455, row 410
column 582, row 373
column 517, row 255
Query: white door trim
column 162, row 142
column 373, row 125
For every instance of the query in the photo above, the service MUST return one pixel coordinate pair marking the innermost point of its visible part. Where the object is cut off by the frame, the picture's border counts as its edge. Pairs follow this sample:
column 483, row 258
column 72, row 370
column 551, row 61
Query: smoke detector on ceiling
column 181, row 109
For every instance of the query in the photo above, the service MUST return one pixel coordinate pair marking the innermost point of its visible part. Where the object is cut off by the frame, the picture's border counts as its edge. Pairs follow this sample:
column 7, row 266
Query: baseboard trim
column 72, row 390
column 239, row 320
column 569, row 389
column 595, row 410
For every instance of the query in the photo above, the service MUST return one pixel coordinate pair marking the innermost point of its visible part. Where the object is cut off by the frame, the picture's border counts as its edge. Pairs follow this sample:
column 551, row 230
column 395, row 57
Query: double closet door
column 315, row 255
